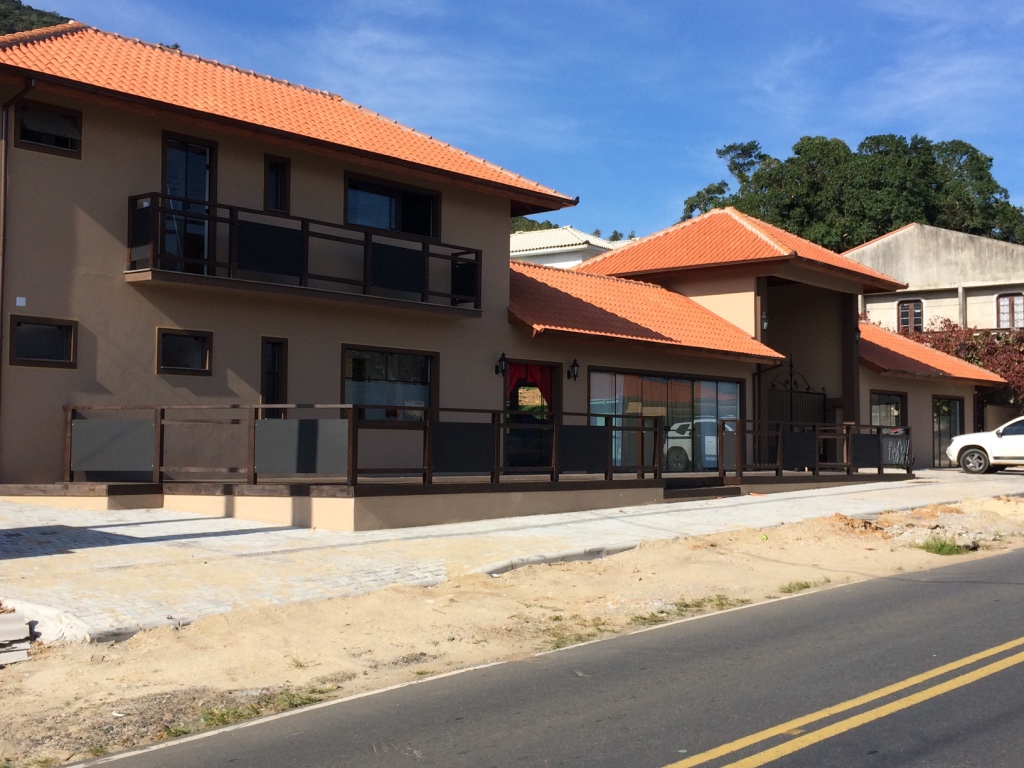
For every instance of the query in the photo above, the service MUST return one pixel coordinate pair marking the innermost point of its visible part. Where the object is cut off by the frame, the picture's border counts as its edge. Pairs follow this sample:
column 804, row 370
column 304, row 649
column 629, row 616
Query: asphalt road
column 921, row 670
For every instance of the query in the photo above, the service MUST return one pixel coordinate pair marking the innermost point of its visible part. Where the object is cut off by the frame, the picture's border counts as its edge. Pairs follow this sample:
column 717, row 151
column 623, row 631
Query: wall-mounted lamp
column 764, row 320
column 574, row 370
column 501, row 366
column 856, row 336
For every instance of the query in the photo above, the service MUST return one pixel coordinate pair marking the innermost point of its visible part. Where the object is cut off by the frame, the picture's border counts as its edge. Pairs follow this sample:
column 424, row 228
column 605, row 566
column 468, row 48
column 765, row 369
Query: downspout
column 5, row 119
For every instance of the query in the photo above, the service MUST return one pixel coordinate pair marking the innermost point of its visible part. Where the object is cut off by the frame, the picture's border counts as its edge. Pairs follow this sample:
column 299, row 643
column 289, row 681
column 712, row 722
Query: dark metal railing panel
column 176, row 234
column 787, row 446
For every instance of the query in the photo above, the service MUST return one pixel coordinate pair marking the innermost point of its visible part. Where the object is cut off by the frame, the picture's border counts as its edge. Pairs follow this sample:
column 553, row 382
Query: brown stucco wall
column 66, row 254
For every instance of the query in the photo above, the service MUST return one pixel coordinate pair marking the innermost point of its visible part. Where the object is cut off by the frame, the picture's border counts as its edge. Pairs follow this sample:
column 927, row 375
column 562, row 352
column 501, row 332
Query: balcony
column 174, row 239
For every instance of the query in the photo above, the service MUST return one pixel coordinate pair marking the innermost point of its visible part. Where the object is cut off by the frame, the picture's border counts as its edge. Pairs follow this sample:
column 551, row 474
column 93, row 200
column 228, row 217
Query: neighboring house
column 974, row 281
column 562, row 247
column 801, row 300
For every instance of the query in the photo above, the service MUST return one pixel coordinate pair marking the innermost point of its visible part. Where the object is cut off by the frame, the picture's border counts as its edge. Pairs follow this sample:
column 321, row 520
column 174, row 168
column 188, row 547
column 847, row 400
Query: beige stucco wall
column 732, row 298
column 805, row 324
column 66, row 253
column 919, row 392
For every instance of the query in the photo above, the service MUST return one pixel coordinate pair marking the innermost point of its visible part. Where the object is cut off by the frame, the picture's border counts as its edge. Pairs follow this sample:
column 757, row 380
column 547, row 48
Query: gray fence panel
column 111, row 445
column 582, row 449
column 302, row 446
column 799, row 450
column 462, row 447
column 865, row 450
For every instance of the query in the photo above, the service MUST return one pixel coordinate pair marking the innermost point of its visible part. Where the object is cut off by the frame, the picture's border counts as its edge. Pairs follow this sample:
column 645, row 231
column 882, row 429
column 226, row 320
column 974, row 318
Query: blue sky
column 624, row 103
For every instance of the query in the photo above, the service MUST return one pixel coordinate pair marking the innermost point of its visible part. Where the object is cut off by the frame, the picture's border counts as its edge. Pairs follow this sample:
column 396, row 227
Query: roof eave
column 523, row 201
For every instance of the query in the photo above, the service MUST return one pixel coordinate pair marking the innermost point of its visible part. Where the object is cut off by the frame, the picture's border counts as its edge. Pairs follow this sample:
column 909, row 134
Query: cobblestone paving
column 117, row 571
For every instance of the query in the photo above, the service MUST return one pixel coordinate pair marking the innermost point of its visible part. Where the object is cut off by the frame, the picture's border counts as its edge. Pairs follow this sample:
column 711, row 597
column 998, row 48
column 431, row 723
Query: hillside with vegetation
column 18, row 17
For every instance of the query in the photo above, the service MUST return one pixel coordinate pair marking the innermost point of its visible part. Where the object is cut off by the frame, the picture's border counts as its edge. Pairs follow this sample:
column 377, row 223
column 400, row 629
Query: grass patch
column 799, row 586
column 97, row 750
column 938, row 545
column 563, row 631
column 679, row 608
column 174, row 731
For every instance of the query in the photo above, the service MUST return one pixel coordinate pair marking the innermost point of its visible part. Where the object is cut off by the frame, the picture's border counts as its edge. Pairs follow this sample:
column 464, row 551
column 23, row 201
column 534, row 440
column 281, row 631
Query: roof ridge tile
column 42, row 33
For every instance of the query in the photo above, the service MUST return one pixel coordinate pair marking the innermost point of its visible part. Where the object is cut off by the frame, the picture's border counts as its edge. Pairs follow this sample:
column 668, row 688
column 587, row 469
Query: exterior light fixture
column 764, row 320
column 574, row 370
column 501, row 366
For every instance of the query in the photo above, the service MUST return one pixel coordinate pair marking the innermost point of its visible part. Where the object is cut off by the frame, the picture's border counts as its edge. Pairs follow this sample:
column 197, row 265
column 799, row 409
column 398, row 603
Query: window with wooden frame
column 277, row 180
column 888, row 409
column 43, row 341
column 48, row 128
column 184, row 352
column 401, row 383
column 910, row 315
column 387, row 206
column 1010, row 310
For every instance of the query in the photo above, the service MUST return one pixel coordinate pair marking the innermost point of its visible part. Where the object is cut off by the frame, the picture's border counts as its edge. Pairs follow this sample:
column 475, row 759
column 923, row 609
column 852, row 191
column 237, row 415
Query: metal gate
column 788, row 398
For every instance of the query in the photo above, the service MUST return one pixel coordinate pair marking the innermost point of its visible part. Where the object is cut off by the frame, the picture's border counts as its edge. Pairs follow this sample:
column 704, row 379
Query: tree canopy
column 16, row 17
column 841, row 198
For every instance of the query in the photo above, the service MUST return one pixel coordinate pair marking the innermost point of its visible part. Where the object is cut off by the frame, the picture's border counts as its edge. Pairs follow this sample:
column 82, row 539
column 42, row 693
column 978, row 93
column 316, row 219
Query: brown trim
column 904, row 406
column 899, row 312
column 286, row 183
column 282, row 372
column 21, row 143
column 208, row 143
column 71, row 325
column 435, row 368
column 207, row 342
column 849, row 350
column 435, row 223
column 1015, row 297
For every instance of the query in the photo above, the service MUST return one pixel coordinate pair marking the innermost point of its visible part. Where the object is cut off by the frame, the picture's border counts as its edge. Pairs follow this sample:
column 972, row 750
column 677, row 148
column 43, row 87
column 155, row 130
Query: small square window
column 184, row 352
column 43, row 341
column 910, row 315
column 46, row 128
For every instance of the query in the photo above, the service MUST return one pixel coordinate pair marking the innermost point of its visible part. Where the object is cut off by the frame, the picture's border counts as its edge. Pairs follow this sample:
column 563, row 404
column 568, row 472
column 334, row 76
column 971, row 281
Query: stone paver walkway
column 107, row 574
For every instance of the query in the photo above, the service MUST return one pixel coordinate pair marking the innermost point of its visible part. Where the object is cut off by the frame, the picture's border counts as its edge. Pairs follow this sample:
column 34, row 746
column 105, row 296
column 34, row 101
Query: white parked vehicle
column 679, row 440
column 980, row 452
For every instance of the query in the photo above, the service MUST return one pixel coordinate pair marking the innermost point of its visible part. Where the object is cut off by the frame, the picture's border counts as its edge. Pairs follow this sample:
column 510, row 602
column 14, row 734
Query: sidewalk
column 106, row 575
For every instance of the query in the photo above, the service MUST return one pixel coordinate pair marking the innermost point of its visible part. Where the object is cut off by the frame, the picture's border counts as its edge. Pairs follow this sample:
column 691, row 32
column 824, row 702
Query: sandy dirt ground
column 70, row 703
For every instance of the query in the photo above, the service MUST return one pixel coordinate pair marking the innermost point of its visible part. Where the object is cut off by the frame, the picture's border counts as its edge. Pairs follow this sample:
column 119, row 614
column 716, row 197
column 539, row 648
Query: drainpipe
column 5, row 122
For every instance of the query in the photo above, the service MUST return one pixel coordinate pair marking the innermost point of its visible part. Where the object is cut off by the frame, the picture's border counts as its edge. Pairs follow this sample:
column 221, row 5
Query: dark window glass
column 1016, row 428
column 888, row 409
column 274, row 383
column 184, row 352
column 911, row 315
column 382, row 207
column 277, row 184
column 40, row 341
column 378, row 378
column 50, row 127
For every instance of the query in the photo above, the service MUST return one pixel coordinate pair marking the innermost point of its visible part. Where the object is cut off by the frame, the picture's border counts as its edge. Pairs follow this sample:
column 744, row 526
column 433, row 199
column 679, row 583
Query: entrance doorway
column 529, row 404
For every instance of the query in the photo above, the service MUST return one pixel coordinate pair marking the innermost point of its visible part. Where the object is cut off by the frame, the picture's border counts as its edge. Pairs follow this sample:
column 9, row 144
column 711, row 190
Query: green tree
column 16, row 17
column 841, row 198
column 523, row 224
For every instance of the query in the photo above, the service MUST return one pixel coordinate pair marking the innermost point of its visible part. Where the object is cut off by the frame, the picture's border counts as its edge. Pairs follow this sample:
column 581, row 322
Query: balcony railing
column 197, row 238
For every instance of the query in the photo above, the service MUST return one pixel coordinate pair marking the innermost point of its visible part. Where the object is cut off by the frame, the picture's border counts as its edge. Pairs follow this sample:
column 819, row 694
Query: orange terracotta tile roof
column 550, row 300
column 725, row 236
column 890, row 352
column 77, row 54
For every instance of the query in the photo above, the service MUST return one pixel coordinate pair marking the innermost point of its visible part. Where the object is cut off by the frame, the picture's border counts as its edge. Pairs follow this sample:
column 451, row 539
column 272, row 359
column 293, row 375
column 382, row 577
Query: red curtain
column 539, row 376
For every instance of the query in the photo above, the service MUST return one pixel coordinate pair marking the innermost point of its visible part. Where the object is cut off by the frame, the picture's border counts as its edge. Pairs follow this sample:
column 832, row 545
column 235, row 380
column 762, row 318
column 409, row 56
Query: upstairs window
column 46, row 128
column 911, row 315
column 1010, row 310
column 43, row 341
column 277, row 184
column 382, row 206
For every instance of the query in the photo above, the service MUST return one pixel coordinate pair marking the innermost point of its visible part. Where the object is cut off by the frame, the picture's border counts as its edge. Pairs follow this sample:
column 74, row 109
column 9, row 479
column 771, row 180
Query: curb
column 51, row 625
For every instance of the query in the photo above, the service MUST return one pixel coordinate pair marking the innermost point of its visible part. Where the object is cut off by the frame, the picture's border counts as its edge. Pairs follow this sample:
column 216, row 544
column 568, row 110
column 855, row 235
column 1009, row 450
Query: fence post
column 158, row 445
column 69, row 415
column 250, row 469
column 778, row 453
column 609, row 467
column 496, row 466
column 817, row 450
column 640, row 448
column 848, row 447
column 428, row 454
column 353, row 445
column 881, row 450
column 556, row 424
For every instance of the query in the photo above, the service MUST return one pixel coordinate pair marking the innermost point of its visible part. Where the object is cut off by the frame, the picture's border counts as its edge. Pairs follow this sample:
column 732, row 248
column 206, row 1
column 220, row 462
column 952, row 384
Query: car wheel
column 974, row 461
column 678, row 461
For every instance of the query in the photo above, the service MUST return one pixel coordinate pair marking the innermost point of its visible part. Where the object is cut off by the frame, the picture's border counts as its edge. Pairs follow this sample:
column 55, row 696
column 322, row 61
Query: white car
column 679, row 444
column 981, row 452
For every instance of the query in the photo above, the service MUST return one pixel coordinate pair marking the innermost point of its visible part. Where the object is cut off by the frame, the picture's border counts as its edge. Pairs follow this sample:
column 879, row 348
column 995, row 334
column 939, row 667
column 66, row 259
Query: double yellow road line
column 803, row 740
